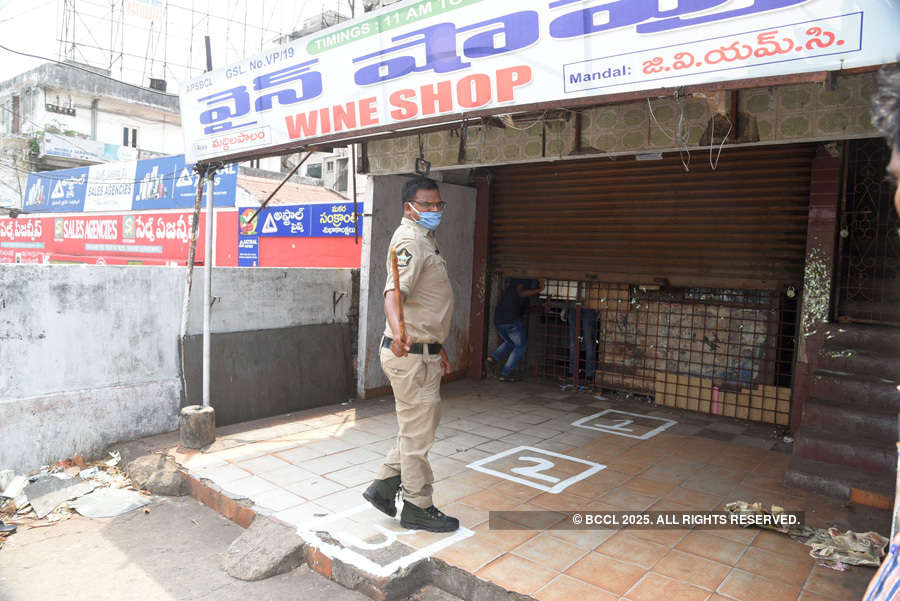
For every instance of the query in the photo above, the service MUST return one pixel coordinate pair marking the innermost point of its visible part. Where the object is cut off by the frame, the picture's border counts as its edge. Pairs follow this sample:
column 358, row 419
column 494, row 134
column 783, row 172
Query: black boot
column 7, row 528
column 431, row 519
column 381, row 494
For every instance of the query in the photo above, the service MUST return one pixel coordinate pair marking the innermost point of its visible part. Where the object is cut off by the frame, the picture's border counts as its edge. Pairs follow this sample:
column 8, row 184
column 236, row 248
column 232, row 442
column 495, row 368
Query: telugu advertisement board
column 434, row 59
column 146, row 185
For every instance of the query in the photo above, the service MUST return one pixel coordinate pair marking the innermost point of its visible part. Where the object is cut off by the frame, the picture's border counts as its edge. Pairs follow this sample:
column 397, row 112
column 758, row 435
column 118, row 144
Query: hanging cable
column 682, row 135
column 712, row 140
column 507, row 120
column 94, row 73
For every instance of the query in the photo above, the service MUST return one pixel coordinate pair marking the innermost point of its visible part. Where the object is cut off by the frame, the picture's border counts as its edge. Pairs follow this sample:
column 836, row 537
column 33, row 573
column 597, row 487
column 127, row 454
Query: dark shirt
column 511, row 307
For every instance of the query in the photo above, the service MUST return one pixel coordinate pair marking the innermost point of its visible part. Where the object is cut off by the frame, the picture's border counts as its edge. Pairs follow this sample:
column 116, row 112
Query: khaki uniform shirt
column 424, row 282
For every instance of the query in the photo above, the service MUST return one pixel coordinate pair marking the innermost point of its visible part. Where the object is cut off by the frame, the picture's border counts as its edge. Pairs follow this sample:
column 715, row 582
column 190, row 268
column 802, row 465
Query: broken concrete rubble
column 159, row 475
column 266, row 549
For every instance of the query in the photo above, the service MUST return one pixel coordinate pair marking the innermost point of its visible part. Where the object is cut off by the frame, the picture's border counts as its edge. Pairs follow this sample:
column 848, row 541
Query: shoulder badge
column 403, row 257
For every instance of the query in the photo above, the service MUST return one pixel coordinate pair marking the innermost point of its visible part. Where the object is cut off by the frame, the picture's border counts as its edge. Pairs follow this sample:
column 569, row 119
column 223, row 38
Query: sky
column 158, row 38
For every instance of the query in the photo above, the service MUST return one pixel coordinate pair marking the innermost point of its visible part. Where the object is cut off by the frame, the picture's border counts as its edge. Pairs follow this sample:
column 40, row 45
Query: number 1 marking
column 621, row 425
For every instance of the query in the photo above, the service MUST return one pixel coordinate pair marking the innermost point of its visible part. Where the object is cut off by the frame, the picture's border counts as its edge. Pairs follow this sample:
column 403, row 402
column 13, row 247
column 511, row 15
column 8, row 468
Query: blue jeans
column 514, row 344
column 588, row 342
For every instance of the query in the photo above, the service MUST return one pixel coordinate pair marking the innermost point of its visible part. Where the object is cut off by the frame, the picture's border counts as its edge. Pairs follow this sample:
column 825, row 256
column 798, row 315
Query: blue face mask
column 429, row 220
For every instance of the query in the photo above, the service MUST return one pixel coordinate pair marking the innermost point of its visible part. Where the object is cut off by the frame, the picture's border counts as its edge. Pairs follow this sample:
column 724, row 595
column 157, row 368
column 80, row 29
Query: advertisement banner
column 282, row 221
column 307, row 221
column 82, row 149
column 248, row 239
column 441, row 58
column 162, row 237
column 185, row 189
column 146, row 185
column 60, row 191
column 110, row 187
column 155, row 183
column 333, row 220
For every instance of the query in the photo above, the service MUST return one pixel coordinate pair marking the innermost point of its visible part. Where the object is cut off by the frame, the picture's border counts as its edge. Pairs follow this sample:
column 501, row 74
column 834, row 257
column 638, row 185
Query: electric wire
column 76, row 67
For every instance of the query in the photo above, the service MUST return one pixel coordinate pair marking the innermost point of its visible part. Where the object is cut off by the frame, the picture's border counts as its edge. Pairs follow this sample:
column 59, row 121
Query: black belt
column 433, row 347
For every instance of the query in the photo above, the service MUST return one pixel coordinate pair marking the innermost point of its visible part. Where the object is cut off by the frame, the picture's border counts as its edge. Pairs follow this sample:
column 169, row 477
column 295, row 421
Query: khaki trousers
column 416, row 381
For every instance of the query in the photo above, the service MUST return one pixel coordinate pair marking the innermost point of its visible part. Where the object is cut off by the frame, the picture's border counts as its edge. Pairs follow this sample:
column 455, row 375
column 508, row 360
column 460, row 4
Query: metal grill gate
column 716, row 351
column 680, row 286
column 869, row 244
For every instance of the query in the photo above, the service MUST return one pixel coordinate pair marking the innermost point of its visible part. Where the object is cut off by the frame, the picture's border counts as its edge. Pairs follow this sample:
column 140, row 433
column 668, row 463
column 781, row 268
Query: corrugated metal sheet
column 742, row 225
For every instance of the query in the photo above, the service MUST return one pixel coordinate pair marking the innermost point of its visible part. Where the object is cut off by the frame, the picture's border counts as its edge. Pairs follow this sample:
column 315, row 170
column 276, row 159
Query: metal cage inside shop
column 715, row 351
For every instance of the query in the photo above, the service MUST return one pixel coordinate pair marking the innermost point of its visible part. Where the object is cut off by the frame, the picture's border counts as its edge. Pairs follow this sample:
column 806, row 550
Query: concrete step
column 865, row 391
column 864, row 337
column 844, row 483
column 866, row 453
column 884, row 311
column 840, row 358
column 821, row 414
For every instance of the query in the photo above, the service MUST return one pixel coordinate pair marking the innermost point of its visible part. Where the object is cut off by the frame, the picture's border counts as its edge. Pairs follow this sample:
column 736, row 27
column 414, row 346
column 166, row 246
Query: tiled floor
column 306, row 466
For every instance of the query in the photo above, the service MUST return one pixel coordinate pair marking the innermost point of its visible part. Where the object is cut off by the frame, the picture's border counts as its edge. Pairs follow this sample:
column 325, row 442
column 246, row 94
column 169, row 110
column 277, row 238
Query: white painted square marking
column 533, row 468
column 608, row 421
column 362, row 532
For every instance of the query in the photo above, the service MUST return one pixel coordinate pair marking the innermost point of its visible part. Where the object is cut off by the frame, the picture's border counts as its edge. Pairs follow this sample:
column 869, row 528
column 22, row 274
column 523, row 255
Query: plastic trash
column 114, row 458
column 89, row 473
column 14, row 486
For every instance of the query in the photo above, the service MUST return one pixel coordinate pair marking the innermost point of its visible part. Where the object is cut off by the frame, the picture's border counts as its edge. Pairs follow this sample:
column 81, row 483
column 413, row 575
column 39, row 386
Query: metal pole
column 278, row 187
column 207, row 281
column 353, row 193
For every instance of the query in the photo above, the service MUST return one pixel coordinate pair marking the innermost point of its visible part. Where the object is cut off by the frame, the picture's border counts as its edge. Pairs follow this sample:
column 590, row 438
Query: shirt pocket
column 440, row 265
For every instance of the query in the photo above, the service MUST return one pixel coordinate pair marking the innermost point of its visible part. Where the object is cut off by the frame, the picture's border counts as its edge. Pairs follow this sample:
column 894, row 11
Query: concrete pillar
column 819, row 272
column 197, row 428
column 479, row 318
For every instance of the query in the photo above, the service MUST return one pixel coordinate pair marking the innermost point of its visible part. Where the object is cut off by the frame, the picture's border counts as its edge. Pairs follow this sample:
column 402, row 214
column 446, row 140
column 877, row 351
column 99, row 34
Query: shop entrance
column 683, row 286
column 869, row 239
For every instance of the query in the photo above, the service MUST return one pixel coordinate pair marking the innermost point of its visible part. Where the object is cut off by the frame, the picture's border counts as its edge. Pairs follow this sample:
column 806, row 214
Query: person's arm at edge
column 524, row 292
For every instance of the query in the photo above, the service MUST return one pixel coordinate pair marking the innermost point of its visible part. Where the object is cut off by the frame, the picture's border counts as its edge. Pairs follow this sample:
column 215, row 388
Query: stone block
column 197, row 428
column 267, row 548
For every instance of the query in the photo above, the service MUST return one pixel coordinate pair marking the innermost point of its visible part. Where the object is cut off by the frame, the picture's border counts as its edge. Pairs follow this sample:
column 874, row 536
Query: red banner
column 156, row 239
column 143, row 239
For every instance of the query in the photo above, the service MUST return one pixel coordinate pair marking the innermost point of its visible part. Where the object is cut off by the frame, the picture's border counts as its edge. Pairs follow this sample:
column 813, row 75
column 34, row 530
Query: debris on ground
column 108, row 503
column 47, row 496
column 11, row 485
column 49, row 492
column 834, row 549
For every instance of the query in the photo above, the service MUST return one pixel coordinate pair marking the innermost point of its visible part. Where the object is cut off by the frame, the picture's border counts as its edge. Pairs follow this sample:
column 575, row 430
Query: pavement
column 532, row 447
column 171, row 553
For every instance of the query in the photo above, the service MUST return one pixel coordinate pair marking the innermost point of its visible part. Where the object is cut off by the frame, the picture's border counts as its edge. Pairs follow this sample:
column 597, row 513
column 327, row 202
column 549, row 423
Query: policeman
column 414, row 364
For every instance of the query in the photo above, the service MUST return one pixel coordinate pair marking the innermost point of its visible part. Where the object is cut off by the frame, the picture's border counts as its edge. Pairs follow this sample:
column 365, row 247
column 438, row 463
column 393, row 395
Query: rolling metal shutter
column 742, row 225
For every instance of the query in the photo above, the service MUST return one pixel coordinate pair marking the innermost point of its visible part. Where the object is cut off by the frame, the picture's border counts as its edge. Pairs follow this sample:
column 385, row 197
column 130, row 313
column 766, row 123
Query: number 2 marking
column 534, row 471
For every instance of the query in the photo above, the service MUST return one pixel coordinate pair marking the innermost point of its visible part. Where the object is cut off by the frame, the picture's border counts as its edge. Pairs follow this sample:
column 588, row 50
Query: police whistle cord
column 395, row 270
